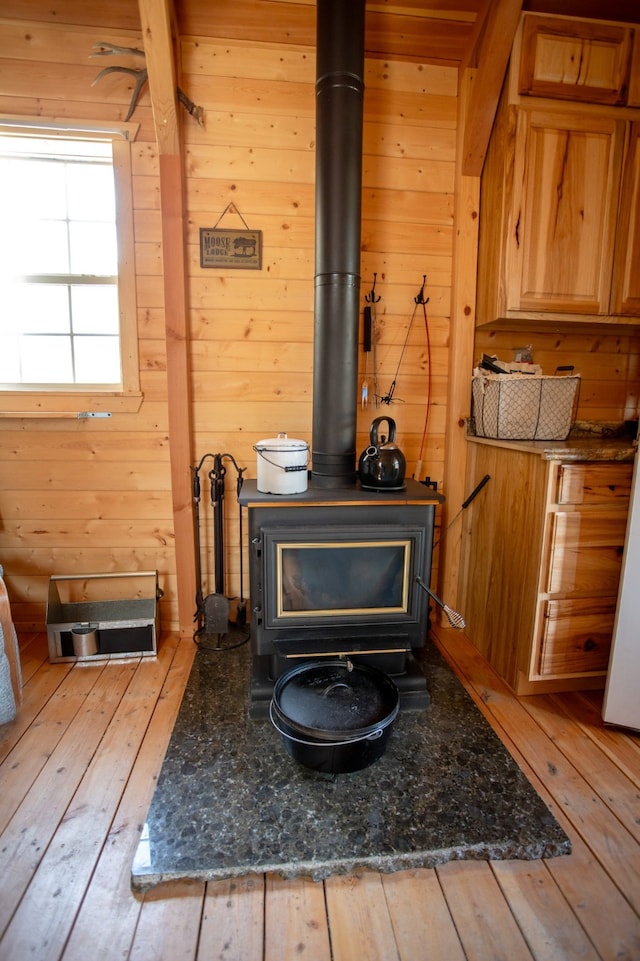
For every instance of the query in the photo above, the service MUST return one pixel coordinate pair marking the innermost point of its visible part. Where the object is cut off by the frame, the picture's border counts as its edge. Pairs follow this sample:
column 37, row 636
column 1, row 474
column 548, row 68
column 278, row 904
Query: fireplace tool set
column 216, row 613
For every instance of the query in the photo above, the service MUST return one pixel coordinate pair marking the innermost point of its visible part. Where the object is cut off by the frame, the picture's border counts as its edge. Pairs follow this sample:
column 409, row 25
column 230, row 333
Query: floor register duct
column 230, row 802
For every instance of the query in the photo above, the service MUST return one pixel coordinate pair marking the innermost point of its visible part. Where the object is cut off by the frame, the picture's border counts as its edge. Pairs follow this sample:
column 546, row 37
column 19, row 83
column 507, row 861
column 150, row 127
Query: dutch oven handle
column 332, row 687
column 354, row 740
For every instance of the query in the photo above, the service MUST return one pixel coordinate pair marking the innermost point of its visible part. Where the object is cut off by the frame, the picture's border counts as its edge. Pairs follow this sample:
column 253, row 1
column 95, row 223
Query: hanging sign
column 220, row 247
column 230, row 248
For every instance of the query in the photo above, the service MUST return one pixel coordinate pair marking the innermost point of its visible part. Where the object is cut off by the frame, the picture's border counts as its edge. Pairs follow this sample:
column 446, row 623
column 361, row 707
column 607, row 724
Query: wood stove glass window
column 336, row 577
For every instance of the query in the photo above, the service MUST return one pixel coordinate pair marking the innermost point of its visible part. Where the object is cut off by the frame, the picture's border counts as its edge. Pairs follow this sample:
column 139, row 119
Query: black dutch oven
column 334, row 717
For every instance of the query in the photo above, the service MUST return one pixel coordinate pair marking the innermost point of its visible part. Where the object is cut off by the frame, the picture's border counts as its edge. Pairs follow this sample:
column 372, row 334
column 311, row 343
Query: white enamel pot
column 282, row 465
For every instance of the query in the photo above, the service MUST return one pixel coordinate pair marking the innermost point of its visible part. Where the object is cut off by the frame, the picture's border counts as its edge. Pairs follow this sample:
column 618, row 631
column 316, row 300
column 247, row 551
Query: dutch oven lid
column 329, row 697
column 282, row 443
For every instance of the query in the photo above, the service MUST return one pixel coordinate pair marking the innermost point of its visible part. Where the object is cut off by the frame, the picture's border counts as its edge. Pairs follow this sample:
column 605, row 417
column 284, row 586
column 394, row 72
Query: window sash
column 49, row 399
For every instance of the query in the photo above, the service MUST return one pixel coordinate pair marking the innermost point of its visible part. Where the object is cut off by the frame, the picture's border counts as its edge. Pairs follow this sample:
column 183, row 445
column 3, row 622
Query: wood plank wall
column 95, row 496
column 252, row 332
column 86, row 496
column 609, row 364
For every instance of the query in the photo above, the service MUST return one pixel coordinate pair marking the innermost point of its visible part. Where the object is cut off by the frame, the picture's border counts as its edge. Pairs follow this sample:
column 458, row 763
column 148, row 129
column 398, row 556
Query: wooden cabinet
column 542, row 556
column 575, row 59
column 566, row 171
column 560, row 195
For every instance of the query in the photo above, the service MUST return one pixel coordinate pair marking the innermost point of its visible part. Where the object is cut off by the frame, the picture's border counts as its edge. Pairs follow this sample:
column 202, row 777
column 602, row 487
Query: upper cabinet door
column 626, row 274
column 575, row 60
column 566, row 187
column 633, row 98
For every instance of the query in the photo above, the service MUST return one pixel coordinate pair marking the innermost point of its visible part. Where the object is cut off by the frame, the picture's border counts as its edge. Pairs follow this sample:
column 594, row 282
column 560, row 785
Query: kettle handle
column 373, row 434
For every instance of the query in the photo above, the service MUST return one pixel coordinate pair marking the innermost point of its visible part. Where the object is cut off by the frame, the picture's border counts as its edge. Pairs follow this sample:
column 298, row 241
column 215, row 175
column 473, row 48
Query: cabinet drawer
column 594, row 484
column 575, row 61
column 577, row 636
column 586, row 552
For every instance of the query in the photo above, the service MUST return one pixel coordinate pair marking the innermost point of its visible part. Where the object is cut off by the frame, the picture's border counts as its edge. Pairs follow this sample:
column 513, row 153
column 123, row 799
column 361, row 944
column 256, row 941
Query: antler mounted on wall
column 141, row 75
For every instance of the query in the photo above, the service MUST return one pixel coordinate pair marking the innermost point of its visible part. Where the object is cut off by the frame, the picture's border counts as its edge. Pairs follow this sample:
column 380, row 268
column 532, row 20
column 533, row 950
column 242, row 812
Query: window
column 67, row 308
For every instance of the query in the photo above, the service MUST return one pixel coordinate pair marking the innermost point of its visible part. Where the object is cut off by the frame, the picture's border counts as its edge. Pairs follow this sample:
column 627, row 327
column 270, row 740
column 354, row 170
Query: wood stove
column 332, row 569
column 332, row 574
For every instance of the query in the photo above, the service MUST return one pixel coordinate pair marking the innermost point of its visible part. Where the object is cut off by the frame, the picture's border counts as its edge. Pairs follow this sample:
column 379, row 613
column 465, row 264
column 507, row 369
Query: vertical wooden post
column 478, row 95
column 155, row 16
column 178, row 382
column 461, row 345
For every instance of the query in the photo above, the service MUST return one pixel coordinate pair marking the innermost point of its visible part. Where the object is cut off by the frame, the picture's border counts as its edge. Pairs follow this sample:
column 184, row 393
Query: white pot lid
column 282, row 442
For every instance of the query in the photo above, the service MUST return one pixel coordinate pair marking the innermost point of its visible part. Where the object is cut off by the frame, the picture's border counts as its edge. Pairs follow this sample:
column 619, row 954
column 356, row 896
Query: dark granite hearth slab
column 231, row 802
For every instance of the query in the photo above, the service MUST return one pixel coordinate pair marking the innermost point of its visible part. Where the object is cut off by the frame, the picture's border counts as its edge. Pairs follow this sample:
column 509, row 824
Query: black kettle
column 382, row 465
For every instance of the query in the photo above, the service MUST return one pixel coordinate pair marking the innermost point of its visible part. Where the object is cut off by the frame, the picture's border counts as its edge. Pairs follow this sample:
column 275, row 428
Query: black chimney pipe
column 339, row 100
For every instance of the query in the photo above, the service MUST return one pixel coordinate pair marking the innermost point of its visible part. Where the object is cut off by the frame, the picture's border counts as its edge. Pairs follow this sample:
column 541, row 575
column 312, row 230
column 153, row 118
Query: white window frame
column 70, row 400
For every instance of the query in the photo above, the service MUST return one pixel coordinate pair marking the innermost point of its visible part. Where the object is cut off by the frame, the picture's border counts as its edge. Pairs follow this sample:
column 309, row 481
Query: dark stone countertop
column 230, row 801
column 586, row 442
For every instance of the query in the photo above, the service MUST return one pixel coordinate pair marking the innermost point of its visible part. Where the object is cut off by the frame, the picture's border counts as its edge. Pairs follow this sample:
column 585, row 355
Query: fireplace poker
column 240, row 603
column 215, row 607
column 455, row 619
column 474, row 493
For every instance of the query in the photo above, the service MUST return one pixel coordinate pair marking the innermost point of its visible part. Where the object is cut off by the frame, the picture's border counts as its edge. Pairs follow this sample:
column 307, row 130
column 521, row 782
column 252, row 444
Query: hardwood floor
column 77, row 772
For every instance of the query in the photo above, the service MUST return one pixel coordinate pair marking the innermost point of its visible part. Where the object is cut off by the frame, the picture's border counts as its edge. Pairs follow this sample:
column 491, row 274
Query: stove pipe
column 339, row 99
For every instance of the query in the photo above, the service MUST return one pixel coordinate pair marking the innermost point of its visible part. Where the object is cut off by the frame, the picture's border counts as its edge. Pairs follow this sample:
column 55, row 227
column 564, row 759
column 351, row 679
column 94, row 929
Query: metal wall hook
column 419, row 299
column 371, row 296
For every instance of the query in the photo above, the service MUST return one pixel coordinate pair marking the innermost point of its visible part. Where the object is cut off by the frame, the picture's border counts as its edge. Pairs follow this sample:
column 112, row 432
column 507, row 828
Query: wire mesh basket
column 524, row 407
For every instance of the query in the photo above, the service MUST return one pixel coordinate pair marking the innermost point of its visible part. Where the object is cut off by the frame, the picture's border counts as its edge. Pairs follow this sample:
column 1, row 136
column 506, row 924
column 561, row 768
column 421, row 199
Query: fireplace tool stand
column 217, row 615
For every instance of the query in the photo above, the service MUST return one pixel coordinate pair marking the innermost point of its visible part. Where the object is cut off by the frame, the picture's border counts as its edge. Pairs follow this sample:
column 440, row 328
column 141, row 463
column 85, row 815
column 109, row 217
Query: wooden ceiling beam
column 491, row 58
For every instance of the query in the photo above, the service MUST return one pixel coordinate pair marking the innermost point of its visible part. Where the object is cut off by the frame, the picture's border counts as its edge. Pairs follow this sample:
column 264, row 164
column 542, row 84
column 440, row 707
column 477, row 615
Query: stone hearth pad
column 231, row 802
